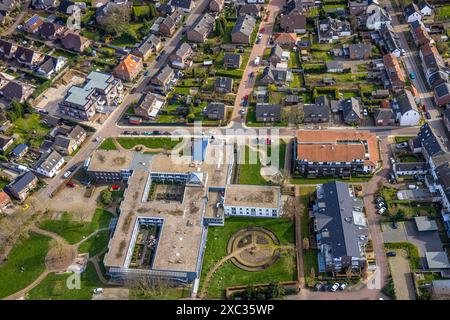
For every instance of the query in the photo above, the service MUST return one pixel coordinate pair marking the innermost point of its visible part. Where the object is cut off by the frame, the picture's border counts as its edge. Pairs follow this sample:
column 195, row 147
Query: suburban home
column 442, row 94
column 149, row 106
column 351, row 110
column 168, row 26
column 51, row 31
column 285, row 40
column 99, row 89
column 185, row 5
column 334, row 66
column 44, row 4
column 384, row 117
column 300, row 6
column 276, row 75
column 290, row 100
column 359, row 51
column 268, row 112
column 19, row 151
column 376, row 17
column 243, row 29
column 420, row 33
column 341, row 229
column 7, row 49
column 181, row 58
column 331, row 29
column 5, row 201
column 33, row 24
column 75, row 42
column 22, row 186
column 425, row 8
column 250, row 9
column 406, row 109
column 49, row 164
column 129, row 68
column 68, row 141
column 294, row 22
column 14, row 90
column 5, row 142
column 412, row 13
column 215, row 111
column 51, row 66
column 164, row 78
column 216, row 5
column 331, row 153
column 232, row 61
column 278, row 55
column 357, row 8
column 316, row 113
column 394, row 72
column 223, row 85
column 28, row 57
column 390, row 41
column 66, row 6
column 202, row 29
column 150, row 45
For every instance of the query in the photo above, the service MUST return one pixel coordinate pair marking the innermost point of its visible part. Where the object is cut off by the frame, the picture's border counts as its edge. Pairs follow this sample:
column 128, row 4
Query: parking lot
column 402, row 276
column 407, row 232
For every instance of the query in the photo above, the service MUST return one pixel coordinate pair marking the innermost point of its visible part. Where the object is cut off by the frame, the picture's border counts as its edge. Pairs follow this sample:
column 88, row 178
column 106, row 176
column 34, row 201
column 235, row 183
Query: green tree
column 219, row 28
column 277, row 291
column 152, row 11
column 116, row 20
column 106, row 197
column 17, row 108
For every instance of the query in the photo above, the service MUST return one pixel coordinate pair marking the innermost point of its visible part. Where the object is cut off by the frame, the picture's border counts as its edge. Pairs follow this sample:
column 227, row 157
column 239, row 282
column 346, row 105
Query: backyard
column 230, row 275
column 31, row 130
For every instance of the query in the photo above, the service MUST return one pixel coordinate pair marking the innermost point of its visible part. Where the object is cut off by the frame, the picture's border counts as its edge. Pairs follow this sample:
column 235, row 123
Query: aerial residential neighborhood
column 225, row 150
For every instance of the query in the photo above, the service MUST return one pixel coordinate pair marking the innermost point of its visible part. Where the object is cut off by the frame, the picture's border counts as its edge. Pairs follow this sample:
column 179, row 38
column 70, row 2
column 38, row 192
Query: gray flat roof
column 425, row 224
column 437, row 260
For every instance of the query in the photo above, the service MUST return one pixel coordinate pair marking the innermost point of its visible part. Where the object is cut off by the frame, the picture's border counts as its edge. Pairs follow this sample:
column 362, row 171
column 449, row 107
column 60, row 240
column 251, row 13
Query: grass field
column 249, row 173
column 96, row 244
column 401, row 139
column 25, row 263
column 74, row 231
column 229, row 275
column 443, row 13
column 54, row 287
column 108, row 144
column 152, row 143
column 31, row 130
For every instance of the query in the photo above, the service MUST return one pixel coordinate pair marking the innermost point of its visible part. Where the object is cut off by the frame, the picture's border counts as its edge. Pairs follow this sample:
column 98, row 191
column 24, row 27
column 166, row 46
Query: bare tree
column 149, row 287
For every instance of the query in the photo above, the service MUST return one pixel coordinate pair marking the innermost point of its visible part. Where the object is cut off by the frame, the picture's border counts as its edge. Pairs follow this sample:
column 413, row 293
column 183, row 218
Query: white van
column 257, row 60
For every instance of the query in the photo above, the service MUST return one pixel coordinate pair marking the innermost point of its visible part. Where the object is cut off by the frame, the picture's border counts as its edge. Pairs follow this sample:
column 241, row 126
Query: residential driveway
column 402, row 276
column 407, row 232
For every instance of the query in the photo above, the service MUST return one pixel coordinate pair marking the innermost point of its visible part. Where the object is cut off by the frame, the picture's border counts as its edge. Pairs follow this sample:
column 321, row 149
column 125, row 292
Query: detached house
column 128, row 68
column 276, row 75
column 33, row 24
column 49, row 164
column 232, row 61
column 185, row 5
column 168, row 26
column 243, row 29
column 147, row 47
column 412, row 13
column 278, row 55
column 357, row 8
column 51, row 31
column 425, row 8
column 22, row 186
column 406, row 107
column 223, row 85
column 359, row 51
column 267, row 112
column 376, row 17
column 215, row 111
column 181, row 58
column 75, row 42
column 285, row 40
column 27, row 57
column 250, row 9
column 5, row 142
column 351, row 110
column 7, row 49
column 202, row 29
column 394, row 72
column 15, row 90
column 384, row 117
column 164, row 79
column 331, row 29
column 149, row 106
column 293, row 23
column 51, row 66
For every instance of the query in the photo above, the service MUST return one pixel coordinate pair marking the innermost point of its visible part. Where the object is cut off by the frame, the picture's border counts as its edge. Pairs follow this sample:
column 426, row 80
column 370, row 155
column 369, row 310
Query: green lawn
column 3, row 183
column 25, row 263
column 74, row 231
column 251, row 173
column 401, row 139
column 229, row 275
column 54, row 287
column 96, row 244
column 408, row 158
column 108, row 144
column 31, row 130
column 443, row 13
column 153, row 143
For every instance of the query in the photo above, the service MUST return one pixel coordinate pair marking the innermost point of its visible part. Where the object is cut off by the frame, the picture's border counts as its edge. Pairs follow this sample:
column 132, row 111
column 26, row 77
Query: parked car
column 71, row 184
column 334, row 287
column 412, row 75
column 257, row 61
column 343, row 286
column 318, row 286
column 379, row 199
column 394, row 225
column 98, row 290
column 67, row 174
column 73, row 168
column 392, row 160
column 412, row 187
column 380, row 205
column 391, row 254
column 242, row 111
column 427, row 115
column 381, row 211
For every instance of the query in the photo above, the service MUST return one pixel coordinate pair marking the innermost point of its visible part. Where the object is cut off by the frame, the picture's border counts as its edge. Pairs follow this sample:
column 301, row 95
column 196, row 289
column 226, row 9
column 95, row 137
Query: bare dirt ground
column 401, row 274
column 112, row 294
column 73, row 200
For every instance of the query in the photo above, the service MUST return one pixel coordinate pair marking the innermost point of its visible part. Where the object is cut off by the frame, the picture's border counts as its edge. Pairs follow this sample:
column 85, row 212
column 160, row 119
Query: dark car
column 379, row 199
column 391, row 254
column 73, row 168
column 156, row 132
column 318, row 286
column 427, row 115
column 135, row 133
column 394, row 225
